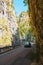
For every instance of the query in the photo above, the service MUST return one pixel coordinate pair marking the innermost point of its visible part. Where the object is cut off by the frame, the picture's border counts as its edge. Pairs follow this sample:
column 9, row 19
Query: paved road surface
column 16, row 57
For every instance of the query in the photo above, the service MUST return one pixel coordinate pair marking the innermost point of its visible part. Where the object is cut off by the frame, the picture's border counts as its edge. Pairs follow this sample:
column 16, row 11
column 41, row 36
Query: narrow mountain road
column 18, row 56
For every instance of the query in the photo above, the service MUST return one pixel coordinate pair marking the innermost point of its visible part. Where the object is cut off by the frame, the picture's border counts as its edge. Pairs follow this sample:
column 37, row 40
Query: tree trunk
column 36, row 20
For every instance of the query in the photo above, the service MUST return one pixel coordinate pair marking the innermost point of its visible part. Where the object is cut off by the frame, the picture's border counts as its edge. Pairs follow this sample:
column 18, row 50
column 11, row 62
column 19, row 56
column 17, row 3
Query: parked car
column 28, row 44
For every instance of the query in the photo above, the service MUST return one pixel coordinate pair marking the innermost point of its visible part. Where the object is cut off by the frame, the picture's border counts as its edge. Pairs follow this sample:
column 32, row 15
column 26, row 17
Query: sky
column 19, row 7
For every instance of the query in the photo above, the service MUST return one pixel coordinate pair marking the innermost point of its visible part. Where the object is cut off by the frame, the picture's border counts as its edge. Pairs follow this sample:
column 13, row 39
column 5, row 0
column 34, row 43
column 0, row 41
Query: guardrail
column 6, row 49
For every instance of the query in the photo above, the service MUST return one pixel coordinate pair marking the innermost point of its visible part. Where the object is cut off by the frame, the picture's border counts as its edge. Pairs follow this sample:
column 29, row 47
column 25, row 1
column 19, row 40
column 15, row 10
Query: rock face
column 8, row 23
column 23, row 24
column 36, row 17
column 5, row 35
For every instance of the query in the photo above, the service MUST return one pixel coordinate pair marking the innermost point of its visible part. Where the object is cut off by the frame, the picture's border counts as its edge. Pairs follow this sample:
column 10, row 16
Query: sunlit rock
column 5, row 35
column 23, row 24
column 8, row 22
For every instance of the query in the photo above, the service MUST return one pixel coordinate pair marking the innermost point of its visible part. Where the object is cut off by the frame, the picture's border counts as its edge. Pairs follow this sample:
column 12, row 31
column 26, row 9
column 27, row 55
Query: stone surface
column 7, row 20
column 36, row 17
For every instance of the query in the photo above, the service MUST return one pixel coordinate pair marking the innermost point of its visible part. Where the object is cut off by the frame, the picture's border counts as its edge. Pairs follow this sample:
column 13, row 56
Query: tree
column 25, row 2
column 30, row 37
